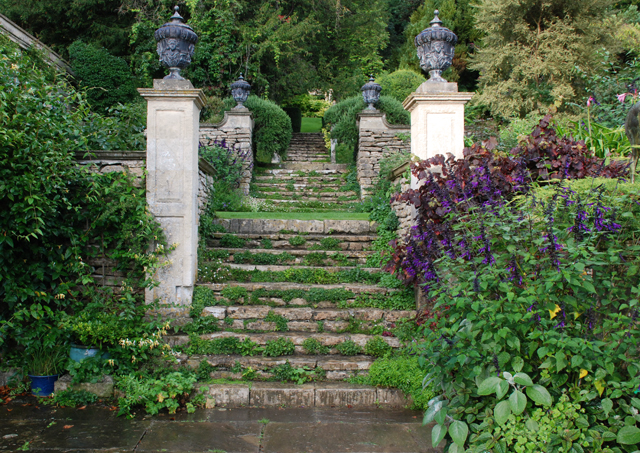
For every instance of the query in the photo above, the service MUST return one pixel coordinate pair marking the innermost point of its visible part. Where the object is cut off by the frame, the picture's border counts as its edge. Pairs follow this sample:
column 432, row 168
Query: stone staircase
column 294, row 295
column 305, row 179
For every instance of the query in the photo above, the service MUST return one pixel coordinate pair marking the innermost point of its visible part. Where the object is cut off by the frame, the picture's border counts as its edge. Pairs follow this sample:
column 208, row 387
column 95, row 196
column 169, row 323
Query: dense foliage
column 106, row 79
column 533, row 297
column 400, row 84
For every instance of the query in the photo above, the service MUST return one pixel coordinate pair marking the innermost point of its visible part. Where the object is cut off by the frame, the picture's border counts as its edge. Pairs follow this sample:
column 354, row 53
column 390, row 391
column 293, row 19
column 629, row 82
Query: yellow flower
column 583, row 373
column 553, row 313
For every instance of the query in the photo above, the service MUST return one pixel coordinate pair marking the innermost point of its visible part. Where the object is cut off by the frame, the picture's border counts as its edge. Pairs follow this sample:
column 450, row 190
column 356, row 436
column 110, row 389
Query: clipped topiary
column 400, row 84
column 106, row 78
column 272, row 131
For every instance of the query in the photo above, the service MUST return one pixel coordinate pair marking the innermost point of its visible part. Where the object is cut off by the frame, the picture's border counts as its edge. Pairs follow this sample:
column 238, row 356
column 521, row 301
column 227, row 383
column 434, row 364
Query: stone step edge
column 251, row 312
column 358, row 362
column 321, row 394
column 311, row 237
column 300, row 252
column 345, row 227
column 356, row 288
column 282, row 268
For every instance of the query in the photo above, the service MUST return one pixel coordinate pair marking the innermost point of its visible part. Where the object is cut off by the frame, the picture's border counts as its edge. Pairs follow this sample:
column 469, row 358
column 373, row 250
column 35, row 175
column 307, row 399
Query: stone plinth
column 376, row 140
column 236, row 129
column 173, row 110
column 437, row 120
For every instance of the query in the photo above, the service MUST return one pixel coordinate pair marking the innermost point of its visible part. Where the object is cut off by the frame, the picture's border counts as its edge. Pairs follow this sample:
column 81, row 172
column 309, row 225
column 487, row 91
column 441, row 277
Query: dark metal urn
column 240, row 90
column 176, row 43
column 436, row 46
column 371, row 93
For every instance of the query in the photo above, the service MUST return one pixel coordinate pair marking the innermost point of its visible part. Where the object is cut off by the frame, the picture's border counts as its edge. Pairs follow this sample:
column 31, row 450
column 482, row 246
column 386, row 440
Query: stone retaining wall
column 404, row 211
column 236, row 130
column 376, row 139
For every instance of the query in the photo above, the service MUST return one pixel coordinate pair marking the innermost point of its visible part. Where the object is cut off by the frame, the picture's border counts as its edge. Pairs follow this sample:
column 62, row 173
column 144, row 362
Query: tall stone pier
column 437, row 120
column 173, row 113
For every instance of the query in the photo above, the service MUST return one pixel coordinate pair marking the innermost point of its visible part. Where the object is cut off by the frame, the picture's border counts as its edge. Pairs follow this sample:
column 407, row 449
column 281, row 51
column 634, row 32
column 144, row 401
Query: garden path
column 298, row 289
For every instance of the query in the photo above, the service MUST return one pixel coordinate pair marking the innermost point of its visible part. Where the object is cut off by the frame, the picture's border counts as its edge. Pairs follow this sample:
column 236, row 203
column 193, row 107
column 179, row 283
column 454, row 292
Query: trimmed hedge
column 400, row 84
column 107, row 79
column 341, row 118
column 272, row 131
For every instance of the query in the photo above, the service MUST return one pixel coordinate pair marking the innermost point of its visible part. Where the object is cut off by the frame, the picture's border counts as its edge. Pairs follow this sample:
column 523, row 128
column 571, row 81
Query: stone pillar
column 236, row 129
column 173, row 112
column 376, row 140
column 437, row 120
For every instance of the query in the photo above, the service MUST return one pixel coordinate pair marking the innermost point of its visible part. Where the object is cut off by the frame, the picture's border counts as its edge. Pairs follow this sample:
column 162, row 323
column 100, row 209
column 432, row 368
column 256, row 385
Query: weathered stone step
column 300, row 179
column 324, row 227
column 330, row 340
column 315, row 166
column 308, row 195
column 304, row 169
column 319, row 394
column 336, row 368
column 281, row 186
column 302, row 253
column 281, row 268
column 282, row 241
column 355, row 288
column 300, row 201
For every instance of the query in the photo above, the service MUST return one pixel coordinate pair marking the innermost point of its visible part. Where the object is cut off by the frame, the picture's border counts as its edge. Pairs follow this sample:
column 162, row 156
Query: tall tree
column 533, row 49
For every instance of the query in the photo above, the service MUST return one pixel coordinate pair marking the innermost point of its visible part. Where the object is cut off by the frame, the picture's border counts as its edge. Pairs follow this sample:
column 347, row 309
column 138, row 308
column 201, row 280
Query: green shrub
column 349, row 347
column 313, row 346
column 232, row 241
column 278, row 347
column 377, row 347
column 72, row 398
column 403, row 373
column 106, row 78
column 400, row 83
column 297, row 241
column 342, row 117
column 272, row 131
column 235, row 293
column 279, row 320
column 154, row 394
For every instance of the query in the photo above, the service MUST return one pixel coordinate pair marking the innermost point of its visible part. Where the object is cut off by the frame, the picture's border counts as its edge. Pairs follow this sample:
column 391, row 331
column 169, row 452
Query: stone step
column 319, row 394
column 299, row 256
column 317, row 227
column 336, row 368
column 281, row 268
column 299, row 179
column 317, row 166
column 305, row 199
column 280, row 186
column 329, row 339
column 304, row 194
column 281, row 241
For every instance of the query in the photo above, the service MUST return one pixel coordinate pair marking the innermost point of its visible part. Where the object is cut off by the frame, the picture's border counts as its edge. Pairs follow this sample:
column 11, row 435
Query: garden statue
column 371, row 93
column 240, row 90
column 435, row 47
column 632, row 129
column 176, row 43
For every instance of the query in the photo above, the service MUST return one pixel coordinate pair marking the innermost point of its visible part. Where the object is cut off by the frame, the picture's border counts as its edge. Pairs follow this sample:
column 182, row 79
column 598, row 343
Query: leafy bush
column 278, row 347
column 72, row 398
column 400, row 83
column 404, row 373
column 279, row 320
column 154, row 393
column 342, row 117
column 232, row 241
column 272, row 131
column 313, row 346
column 377, row 347
column 349, row 347
column 107, row 79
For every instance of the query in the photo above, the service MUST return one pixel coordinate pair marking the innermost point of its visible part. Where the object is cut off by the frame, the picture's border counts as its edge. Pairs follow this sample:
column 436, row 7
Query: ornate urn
column 176, row 43
column 240, row 90
column 371, row 93
column 436, row 46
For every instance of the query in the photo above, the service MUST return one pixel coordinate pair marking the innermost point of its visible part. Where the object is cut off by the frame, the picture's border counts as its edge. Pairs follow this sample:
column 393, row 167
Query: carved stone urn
column 371, row 93
column 240, row 90
column 435, row 47
column 176, row 43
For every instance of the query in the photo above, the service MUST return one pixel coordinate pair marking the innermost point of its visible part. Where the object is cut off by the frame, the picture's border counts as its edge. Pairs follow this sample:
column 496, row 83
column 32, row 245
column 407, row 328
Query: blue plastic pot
column 79, row 353
column 43, row 384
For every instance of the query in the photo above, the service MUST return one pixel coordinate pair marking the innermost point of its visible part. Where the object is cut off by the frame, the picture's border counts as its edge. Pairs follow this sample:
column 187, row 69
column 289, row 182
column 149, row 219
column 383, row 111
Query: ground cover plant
column 532, row 340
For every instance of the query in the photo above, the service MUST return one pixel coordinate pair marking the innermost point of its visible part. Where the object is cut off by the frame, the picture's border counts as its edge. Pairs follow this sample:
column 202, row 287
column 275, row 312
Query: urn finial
column 371, row 92
column 240, row 90
column 436, row 46
column 176, row 44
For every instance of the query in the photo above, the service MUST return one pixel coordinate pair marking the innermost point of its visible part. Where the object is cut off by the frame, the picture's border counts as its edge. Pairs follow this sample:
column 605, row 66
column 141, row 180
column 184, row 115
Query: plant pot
column 44, row 384
column 79, row 353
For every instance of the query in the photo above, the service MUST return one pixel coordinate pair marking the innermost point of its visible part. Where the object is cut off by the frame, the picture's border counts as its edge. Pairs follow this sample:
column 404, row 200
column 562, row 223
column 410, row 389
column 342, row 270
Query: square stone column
column 173, row 114
column 437, row 120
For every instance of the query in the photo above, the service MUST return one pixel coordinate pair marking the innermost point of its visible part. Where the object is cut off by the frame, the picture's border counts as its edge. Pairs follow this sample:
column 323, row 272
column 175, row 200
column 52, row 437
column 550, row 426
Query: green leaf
column 607, row 405
column 502, row 412
column 489, row 386
column 503, row 388
column 437, row 434
column 517, row 363
column 455, row 449
column 628, row 435
column 539, row 395
column 588, row 286
column 523, row 379
column 532, row 425
column 441, row 416
column 518, row 402
column 458, row 431
column 561, row 361
column 431, row 412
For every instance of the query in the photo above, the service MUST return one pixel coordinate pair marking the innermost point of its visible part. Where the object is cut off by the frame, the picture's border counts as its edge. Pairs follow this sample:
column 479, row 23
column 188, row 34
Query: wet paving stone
column 15, row 433
column 345, row 438
column 202, row 437
column 103, row 435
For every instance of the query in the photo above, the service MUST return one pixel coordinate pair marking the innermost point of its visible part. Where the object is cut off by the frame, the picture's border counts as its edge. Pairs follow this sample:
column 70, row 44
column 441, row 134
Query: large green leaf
column 437, row 434
column 629, row 435
column 458, row 431
column 518, row 402
column 502, row 389
column 489, row 386
column 523, row 379
column 502, row 412
column 539, row 395
column 607, row 405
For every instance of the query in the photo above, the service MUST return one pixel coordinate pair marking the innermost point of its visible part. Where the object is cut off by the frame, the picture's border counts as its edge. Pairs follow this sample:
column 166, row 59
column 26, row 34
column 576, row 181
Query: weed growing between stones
column 278, row 347
column 349, row 347
column 312, row 346
column 280, row 321
column 232, row 241
column 263, row 258
column 212, row 273
column 377, row 347
column 297, row 241
column 327, row 243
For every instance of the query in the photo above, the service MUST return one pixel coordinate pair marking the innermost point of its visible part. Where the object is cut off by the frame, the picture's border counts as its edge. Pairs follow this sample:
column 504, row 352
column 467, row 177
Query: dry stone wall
column 236, row 130
column 377, row 139
column 404, row 211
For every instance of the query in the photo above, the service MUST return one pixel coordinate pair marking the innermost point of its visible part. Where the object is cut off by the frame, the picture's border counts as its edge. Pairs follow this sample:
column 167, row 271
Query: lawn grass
column 336, row 215
column 311, row 125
